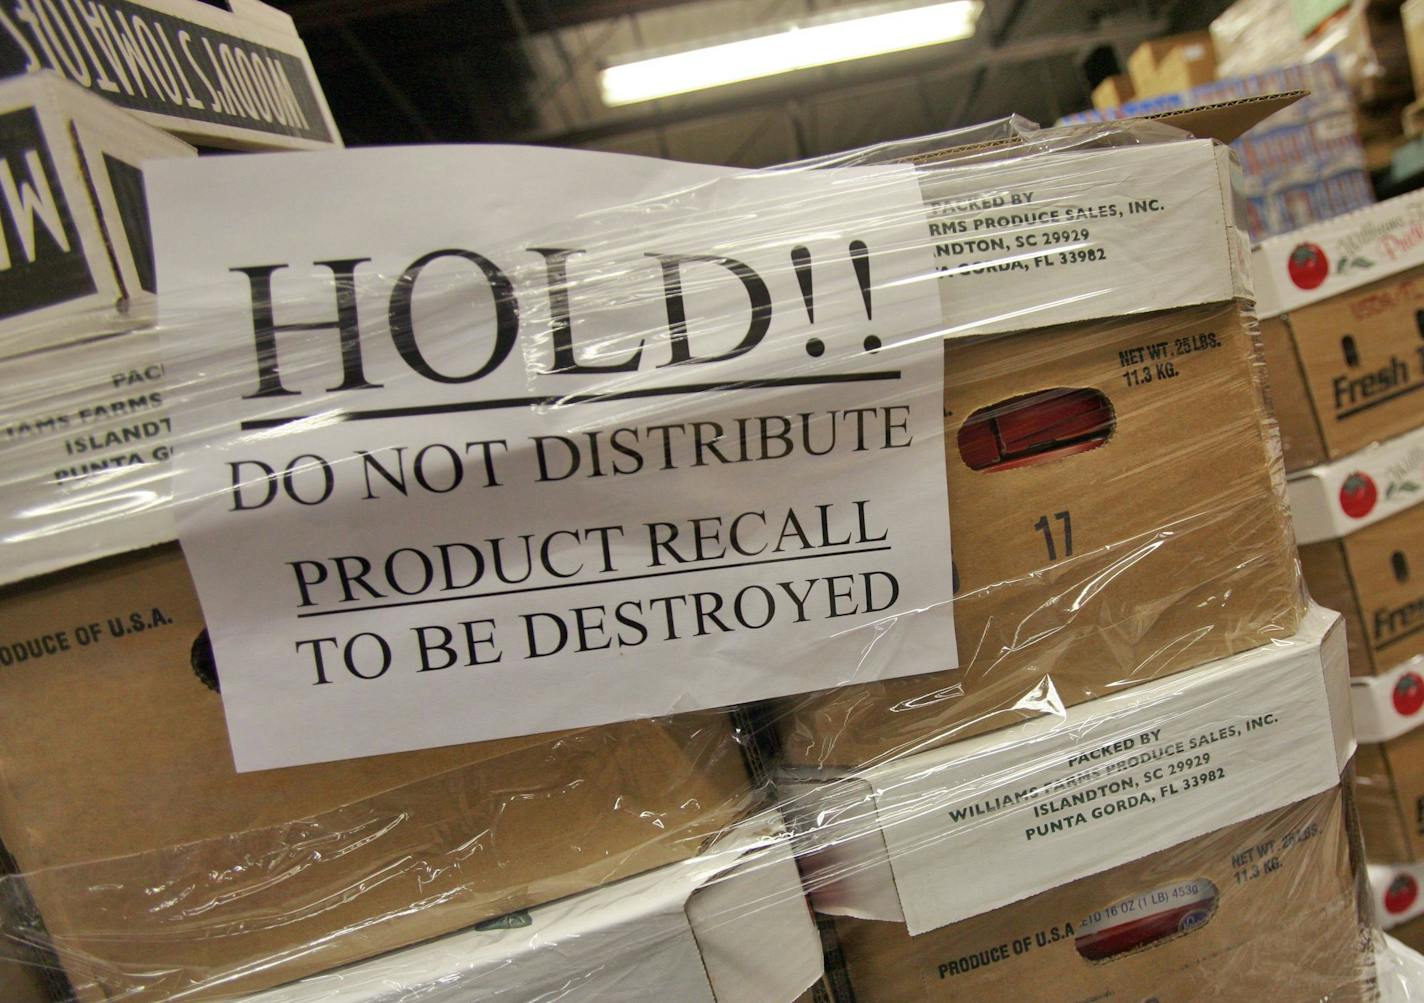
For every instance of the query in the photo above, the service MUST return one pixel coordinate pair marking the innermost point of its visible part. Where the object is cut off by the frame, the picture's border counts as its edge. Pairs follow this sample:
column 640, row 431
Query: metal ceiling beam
column 1029, row 50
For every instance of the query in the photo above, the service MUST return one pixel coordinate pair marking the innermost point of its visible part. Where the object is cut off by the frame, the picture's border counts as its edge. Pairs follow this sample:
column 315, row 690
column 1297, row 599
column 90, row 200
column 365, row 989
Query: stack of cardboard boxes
column 1140, row 757
column 1160, row 66
column 141, row 865
column 84, row 100
column 1343, row 309
column 1171, row 64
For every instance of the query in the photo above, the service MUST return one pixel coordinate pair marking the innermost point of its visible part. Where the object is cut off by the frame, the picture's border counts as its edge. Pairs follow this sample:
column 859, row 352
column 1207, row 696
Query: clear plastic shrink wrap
column 579, row 616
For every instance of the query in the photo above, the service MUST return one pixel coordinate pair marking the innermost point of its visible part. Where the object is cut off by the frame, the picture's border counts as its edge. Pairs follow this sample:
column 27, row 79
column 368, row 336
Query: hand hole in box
column 205, row 667
column 1046, row 425
column 1139, row 921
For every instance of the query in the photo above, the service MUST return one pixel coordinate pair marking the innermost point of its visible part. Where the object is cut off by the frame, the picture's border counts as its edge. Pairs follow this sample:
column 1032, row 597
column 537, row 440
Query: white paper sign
column 480, row 442
column 1051, row 238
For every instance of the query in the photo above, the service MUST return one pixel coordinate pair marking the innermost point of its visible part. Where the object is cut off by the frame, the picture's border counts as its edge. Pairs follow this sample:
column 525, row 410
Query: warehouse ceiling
column 527, row 71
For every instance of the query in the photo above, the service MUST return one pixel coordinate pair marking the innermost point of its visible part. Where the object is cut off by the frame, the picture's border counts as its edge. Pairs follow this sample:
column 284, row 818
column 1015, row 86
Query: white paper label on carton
column 1338, row 255
column 1389, row 704
column 1396, row 889
column 1066, row 237
column 1173, row 761
column 1333, row 500
column 488, row 442
column 84, row 441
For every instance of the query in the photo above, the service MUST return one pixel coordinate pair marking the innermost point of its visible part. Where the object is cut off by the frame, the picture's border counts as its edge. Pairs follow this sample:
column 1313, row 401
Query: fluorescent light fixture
column 795, row 48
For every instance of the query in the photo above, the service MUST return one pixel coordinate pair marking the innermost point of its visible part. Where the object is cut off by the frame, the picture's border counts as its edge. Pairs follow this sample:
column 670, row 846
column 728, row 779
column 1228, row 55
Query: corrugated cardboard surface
column 1185, row 67
column 1113, row 91
column 1287, row 930
column 1410, row 934
column 156, row 867
column 21, row 983
column 1391, row 798
column 1383, row 321
column 1375, row 577
column 1150, row 58
column 1386, row 818
column 1181, row 554
column 1301, row 441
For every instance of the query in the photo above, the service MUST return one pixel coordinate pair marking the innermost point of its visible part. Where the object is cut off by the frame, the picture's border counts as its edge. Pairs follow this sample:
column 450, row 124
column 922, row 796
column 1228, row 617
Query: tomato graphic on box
column 1308, row 266
column 1408, row 694
column 1358, row 495
column 1400, row 895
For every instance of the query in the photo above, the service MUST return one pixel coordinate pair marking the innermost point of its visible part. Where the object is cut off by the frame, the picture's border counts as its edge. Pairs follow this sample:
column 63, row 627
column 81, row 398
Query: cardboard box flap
column 1093, row 786
column 1222, row 121
column 1387, row 705
column 1227, row 121
column 730, row 926
column 1333, row 500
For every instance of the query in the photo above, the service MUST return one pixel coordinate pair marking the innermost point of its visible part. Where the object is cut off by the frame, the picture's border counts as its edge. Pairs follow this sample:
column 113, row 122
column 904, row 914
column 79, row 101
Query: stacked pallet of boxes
column 114, row 771
column 143, row 864
column 1108, row 797
column 1344, row 333
column 1099, row 743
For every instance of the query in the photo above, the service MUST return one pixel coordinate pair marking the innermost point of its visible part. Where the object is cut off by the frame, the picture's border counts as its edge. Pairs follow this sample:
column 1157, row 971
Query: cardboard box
column 1185, row 67
column 730, row 926
column 20, row 983
column 1180, row 550
column 1113, row 91
column 1391, row 798
column 946, row 835
column 1268, row 908
column 1395, row 890
column 1410, row 934
column 1332, row 500
column 1375, row 577
column 1347, row 357
column 1389, row 704
column 233, row 74
column 76, row 257
column 1173, row 63
column 160, row 870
